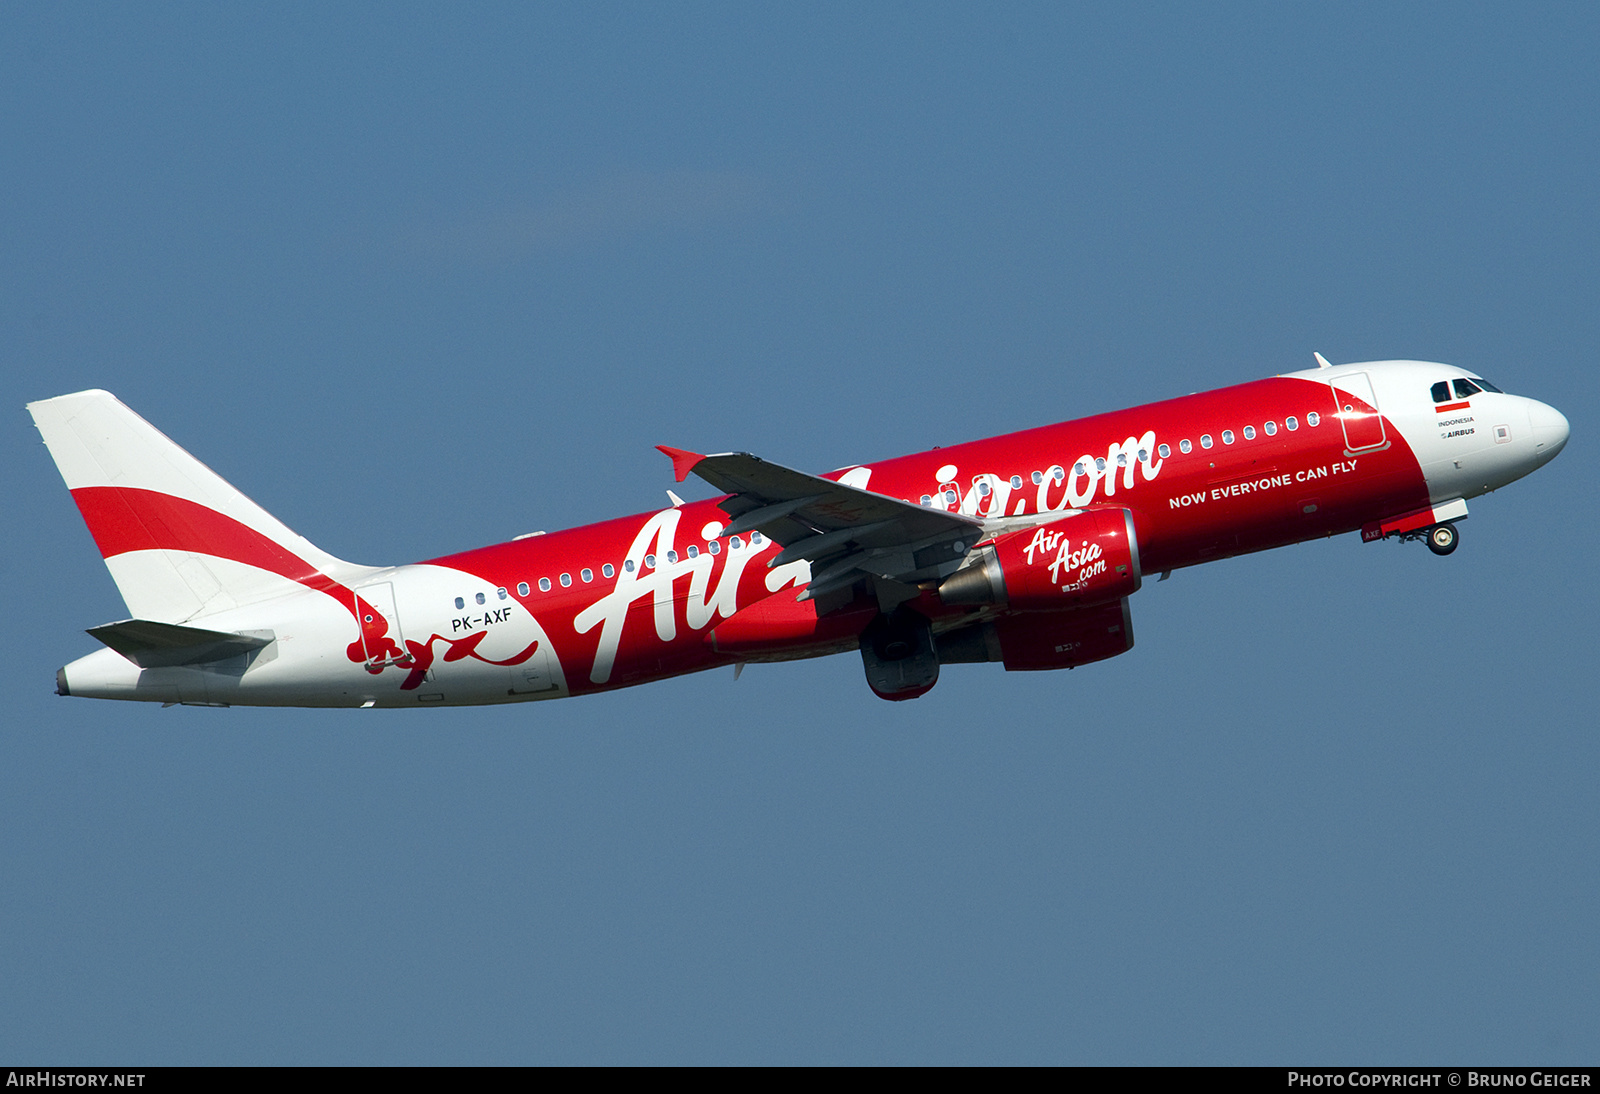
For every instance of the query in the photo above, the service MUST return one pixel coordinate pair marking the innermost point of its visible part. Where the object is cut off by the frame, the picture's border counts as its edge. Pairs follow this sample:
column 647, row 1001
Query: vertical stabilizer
column 180, row 542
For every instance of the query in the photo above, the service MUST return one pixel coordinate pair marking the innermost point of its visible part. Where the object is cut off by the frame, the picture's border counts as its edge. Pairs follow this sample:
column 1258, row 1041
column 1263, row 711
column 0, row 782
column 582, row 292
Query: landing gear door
column 1356, row 407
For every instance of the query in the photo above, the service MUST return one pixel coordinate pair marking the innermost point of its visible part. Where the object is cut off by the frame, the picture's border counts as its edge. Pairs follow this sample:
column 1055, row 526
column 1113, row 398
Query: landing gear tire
column 1443, row 538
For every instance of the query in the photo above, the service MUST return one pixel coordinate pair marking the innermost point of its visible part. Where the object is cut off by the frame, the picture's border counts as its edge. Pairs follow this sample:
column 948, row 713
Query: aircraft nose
column 1550, row 430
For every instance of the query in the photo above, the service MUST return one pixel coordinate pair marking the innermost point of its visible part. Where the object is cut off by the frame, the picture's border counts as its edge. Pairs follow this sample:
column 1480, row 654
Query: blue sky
column 418, row 281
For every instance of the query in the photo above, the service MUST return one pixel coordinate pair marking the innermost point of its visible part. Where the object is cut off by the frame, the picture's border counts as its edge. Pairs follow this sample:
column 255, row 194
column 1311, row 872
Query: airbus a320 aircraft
column 1022, row 549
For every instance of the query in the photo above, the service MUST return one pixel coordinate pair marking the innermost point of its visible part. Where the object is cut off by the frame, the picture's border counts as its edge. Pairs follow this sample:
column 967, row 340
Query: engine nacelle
column 1031, row 641
column 1087, row 558
column 1037, row 642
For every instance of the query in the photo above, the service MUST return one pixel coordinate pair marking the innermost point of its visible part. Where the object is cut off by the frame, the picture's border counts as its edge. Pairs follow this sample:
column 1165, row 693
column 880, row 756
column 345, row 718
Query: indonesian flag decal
column 1444, row 408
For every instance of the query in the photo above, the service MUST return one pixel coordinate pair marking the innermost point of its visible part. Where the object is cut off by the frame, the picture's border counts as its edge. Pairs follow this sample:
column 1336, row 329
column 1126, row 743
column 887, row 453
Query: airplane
column 1022, row 549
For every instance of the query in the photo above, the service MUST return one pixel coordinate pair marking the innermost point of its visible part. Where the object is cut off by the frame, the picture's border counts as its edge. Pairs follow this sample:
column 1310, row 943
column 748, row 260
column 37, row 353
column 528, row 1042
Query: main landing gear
column 1443, row 538
column 899, row 655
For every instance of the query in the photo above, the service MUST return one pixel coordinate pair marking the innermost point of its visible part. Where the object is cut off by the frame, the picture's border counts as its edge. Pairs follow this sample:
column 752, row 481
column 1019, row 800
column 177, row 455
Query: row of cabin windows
column 1291, row 423
column 586, row 574
column 949, row 496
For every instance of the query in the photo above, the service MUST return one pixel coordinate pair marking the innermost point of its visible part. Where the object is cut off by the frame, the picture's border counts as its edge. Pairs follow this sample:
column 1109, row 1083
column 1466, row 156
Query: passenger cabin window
column 1249, row 432
column 1205, row 440
column 479, row 598
column 1227, row 436
column 1271, row 428
column 501, row 593
column 715, row 547
column 522, row 588
column 1185, row 447
column 1313, row 419
column 460, row 603
column 1292, row 423
column 1441, row 391
column 587, row 575
column 1016, row 482
column 566, row 580
column 1163, row 450
column 544, row 584
column 627, row 564
column 609, row 570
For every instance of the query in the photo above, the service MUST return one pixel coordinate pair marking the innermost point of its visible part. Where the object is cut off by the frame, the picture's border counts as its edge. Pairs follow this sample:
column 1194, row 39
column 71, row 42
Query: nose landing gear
column 1443, row 538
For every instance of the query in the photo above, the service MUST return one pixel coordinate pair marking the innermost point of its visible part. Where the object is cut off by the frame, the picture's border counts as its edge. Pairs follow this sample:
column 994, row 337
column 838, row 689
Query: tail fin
column 179, row 541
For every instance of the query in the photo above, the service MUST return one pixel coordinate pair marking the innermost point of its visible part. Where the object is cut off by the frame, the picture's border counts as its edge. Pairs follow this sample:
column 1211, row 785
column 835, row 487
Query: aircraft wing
column 844, row 533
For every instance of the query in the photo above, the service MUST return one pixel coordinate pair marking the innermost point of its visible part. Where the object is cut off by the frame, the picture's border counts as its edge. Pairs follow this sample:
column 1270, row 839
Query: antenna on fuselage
column 1322, row 362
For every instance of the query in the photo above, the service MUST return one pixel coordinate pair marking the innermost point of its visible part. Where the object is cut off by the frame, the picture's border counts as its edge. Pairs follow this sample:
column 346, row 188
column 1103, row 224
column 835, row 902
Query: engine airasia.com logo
column 1086, row 558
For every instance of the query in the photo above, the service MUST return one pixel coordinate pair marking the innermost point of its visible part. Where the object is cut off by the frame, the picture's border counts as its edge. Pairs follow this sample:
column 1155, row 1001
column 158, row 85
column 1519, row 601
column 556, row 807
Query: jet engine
column 1088, row 558
column 1032, row 641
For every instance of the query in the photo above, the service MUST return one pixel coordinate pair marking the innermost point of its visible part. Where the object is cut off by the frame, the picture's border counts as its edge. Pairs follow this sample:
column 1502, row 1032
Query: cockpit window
column 1486, row 385
column 1441, row 391
column 1466, row 389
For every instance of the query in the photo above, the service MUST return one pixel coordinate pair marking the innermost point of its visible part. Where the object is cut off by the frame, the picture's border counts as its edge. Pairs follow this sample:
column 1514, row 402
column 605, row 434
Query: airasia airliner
column 1021, row 549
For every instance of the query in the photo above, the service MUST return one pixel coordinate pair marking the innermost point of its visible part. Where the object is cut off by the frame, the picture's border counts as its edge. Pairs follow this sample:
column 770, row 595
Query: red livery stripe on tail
column 124, row 519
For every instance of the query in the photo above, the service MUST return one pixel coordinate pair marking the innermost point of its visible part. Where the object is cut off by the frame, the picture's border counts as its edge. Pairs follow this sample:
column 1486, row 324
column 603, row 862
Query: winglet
column 682, row 461
column 1322, row 362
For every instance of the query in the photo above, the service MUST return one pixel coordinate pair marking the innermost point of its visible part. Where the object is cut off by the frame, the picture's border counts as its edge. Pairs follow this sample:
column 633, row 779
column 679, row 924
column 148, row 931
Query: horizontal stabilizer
column 152, row 645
